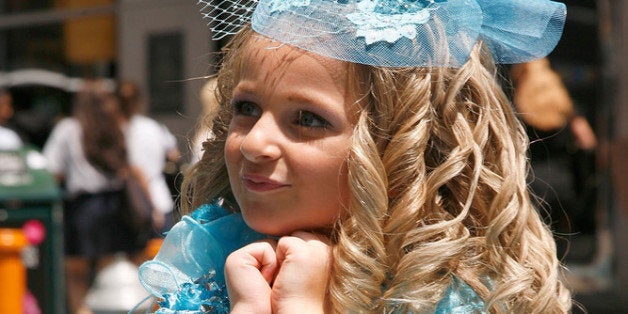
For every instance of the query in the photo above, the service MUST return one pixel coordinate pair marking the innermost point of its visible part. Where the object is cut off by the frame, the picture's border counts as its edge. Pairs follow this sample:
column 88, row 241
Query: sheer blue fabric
column 186, row 276
column 399, row 33
column 460, row 299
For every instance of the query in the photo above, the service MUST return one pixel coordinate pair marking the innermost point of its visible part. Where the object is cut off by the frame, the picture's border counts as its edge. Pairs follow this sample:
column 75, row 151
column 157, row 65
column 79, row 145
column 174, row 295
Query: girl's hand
column 288, row 276
column 249, row 273
column 301, row 283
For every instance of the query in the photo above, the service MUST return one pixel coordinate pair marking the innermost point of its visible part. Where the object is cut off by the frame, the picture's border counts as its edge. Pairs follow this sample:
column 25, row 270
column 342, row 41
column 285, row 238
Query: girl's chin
column 267, row 227
column 276, row 230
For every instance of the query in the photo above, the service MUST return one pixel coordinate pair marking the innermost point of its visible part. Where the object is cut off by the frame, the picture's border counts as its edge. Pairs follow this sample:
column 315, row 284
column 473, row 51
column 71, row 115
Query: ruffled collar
column 187, row 275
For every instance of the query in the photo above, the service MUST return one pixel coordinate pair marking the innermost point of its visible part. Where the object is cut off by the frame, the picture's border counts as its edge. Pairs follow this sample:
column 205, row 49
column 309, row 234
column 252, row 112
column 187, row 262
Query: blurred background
column 47, row 47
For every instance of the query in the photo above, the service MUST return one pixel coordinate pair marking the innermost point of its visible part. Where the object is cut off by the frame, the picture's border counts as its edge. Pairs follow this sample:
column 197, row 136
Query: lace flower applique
column 283, row 5
column 390, row 20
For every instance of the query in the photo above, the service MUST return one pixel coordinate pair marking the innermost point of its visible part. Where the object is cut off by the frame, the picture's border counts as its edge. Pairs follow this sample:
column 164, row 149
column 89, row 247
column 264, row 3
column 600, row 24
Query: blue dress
column 179, row 280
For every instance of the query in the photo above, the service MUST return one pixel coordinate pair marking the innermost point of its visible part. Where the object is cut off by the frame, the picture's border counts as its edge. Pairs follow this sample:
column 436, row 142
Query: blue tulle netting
column 398, row 32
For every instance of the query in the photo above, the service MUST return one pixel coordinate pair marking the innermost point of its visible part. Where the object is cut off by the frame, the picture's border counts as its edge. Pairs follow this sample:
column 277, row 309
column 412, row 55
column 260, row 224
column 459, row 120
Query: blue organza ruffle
column 460, row 299
column 186, row 275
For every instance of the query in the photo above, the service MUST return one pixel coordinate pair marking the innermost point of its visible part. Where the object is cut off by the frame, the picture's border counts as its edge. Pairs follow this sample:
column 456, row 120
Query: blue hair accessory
column 186, row 275
column 398, row 32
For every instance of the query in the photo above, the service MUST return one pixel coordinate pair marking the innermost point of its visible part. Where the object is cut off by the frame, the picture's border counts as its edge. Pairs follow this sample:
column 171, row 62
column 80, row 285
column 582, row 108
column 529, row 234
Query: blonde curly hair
column 437, row 173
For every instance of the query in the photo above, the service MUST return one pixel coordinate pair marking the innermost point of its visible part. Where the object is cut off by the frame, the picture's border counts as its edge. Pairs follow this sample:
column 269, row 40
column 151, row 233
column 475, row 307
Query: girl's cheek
column 232, row 148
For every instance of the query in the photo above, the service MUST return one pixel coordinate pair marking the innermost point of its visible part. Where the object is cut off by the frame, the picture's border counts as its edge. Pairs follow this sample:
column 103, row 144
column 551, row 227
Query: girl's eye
column 311, row 120
column 246, row 109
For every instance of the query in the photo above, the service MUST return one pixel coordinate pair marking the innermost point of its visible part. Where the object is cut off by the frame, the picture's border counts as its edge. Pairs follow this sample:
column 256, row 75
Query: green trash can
column 28, row 192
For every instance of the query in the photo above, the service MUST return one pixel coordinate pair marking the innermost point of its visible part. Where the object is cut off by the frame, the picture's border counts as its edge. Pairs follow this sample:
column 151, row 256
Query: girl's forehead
column 267, row 66
column 260, row 53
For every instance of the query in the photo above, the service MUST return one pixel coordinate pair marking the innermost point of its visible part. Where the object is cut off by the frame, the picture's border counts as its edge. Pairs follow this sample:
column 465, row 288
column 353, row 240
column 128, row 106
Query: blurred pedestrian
column 88, row 155
column 561, row 139
column 9, row 139
column 150, row 145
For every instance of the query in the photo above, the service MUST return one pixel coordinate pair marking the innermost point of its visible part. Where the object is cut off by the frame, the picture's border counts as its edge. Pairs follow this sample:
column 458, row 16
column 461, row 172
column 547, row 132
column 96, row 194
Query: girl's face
column 289, row 139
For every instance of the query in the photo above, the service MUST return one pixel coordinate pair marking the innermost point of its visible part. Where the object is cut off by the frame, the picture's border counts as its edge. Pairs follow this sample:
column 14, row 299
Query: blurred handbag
column 138, row 214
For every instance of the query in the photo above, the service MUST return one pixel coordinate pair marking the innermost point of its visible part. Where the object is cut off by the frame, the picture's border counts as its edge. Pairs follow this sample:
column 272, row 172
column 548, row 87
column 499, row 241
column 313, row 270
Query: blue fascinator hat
column 398, row 33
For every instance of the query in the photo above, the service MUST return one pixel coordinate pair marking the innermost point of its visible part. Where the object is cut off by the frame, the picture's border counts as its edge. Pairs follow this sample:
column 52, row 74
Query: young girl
column 372, row 146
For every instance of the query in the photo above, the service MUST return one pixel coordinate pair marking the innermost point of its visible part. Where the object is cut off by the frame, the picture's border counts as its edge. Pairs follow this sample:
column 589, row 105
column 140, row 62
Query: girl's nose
column 261, row 143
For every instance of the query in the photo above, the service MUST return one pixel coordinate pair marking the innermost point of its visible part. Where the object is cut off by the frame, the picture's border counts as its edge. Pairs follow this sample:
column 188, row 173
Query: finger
column 304, row 247
column 249, row 272
column 304, row 264
column 258, row 255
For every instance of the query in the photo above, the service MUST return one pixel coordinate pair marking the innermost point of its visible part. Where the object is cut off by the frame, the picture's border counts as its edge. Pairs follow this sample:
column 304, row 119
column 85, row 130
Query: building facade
column 162, row 45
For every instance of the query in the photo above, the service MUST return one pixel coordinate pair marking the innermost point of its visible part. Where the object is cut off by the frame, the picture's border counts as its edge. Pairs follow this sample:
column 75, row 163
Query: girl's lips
column 261, row 184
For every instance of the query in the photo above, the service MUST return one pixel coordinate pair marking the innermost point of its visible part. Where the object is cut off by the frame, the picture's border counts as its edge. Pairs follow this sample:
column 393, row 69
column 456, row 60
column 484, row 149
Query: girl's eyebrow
column 244, row 88
column 312, row 96
column 314, row 99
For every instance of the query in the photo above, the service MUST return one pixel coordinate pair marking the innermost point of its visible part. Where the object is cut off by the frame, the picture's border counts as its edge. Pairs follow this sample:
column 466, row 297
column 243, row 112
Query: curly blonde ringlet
column 453, row 159
column 437, row 173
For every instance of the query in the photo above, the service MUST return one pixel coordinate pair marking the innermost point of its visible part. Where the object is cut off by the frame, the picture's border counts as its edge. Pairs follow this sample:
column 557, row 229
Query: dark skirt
column 95, row 226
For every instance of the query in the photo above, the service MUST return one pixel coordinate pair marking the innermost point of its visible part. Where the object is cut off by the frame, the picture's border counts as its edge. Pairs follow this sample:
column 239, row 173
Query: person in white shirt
column 9, row 139
column 87, row 154
column 150, row 145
